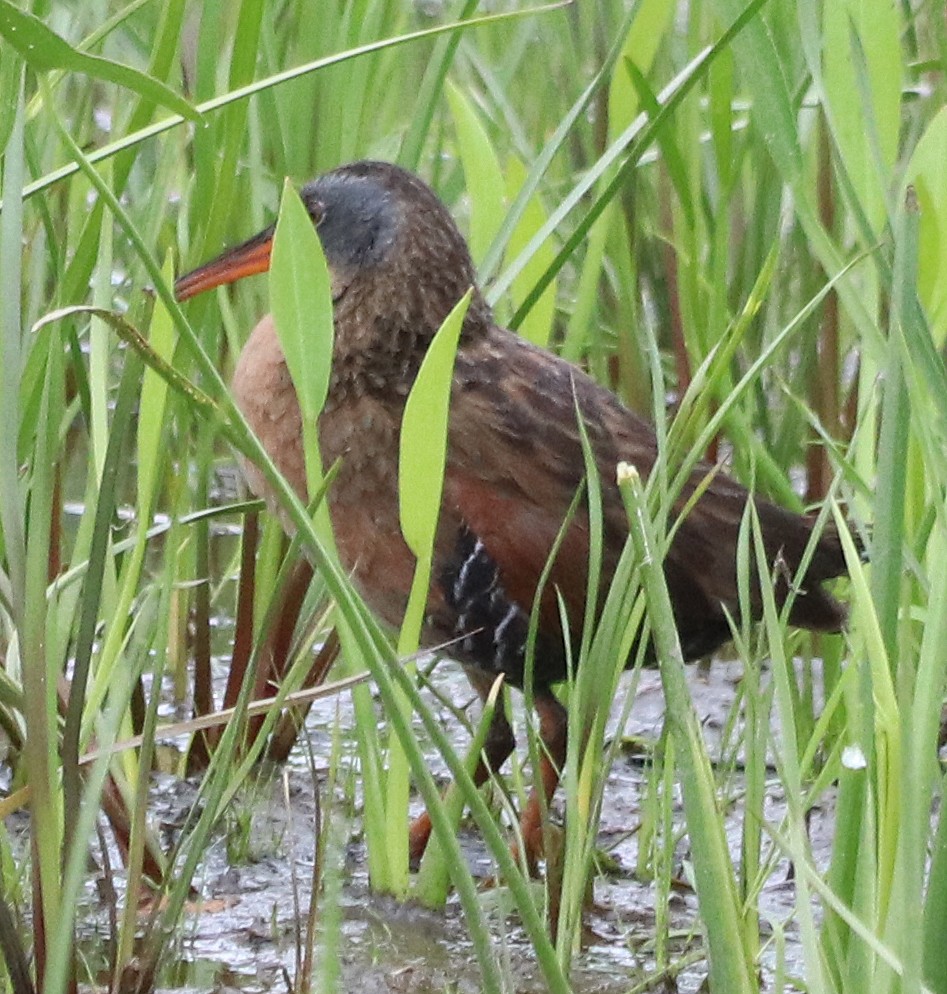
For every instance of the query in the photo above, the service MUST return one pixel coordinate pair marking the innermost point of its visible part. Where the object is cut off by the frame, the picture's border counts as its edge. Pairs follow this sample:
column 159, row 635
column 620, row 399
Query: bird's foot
column 419, row 835
column 532, row 836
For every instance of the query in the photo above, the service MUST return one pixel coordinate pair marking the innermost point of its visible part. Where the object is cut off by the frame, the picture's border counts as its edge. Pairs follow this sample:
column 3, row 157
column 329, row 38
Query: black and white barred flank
column 494, row 629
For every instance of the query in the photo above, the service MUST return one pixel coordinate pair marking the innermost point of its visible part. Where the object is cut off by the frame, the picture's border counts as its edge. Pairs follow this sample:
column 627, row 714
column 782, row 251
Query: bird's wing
column 515, row 463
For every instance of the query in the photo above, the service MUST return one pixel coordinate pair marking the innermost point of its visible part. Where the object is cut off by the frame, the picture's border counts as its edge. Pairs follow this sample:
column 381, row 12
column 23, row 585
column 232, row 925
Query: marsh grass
column 706, row 204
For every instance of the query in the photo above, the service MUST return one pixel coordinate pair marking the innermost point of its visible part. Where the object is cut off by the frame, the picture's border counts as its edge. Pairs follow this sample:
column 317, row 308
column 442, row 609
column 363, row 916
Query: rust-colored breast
column 362, row 435
column 265, row 394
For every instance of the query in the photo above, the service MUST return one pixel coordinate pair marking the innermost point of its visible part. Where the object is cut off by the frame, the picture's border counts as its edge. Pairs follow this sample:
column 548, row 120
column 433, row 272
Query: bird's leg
column 497, row 747
column 553, row 736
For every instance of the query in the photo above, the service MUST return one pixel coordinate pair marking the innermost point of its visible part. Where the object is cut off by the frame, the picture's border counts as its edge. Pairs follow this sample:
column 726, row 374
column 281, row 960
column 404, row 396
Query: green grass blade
column 730, row 969
column 12, row 497
column 538, row 324
column 635, row 139
column 259, row 86
column 923, row 172
column 482, row 173
column 422, row 455
column 44, row 50
column 888, row 536
column 432, row 87
column 546, row 156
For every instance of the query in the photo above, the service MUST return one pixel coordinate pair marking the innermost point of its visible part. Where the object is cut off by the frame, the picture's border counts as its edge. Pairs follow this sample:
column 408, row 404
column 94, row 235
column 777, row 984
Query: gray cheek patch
column 360, row 220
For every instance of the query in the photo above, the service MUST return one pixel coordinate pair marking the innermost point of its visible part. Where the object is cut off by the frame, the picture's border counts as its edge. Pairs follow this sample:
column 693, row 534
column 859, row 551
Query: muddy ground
column 257, row 877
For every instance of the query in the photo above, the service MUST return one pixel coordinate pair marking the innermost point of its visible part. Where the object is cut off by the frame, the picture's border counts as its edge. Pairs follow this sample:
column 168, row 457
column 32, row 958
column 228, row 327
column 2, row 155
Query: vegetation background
column 733, row 213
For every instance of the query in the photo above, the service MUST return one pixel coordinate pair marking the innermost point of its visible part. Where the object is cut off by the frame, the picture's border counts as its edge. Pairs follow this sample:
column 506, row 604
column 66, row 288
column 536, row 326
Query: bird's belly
column 373, row 553
column 363, row 506
column 263, row 390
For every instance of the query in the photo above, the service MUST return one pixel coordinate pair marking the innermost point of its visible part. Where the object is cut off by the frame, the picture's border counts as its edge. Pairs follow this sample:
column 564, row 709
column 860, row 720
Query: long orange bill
column 252, row 257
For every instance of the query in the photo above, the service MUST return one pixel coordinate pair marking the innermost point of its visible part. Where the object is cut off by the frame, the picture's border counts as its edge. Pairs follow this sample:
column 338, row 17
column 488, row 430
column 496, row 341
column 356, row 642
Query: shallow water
column 247, row 933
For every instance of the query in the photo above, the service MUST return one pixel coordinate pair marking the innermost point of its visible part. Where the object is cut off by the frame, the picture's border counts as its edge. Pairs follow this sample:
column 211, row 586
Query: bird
column 398, row 264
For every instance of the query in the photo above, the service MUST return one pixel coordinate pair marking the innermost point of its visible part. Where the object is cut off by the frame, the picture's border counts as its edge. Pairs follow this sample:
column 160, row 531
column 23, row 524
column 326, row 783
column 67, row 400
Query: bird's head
column 395, row 257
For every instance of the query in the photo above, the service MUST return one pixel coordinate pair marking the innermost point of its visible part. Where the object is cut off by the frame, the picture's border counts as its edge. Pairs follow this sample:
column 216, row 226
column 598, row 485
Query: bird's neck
column 380, row 344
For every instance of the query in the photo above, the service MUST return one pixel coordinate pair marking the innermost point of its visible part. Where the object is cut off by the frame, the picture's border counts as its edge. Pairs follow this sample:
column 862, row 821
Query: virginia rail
column 398, row 265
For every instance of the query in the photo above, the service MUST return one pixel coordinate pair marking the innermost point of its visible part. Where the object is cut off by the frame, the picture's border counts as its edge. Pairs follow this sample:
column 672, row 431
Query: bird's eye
column 318, row 213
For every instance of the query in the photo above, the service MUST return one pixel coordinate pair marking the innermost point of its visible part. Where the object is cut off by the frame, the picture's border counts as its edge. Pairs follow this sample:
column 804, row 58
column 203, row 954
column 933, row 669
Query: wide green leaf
column 862, row 66
column 423, row 447
column 538, row 323
column 302, row 311
column 482, row 172
column 926, row 171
